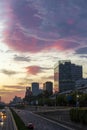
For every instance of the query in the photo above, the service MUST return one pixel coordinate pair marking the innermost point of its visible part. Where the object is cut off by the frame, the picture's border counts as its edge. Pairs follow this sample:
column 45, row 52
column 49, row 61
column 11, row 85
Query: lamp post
column 77, row 100
column 55, row 100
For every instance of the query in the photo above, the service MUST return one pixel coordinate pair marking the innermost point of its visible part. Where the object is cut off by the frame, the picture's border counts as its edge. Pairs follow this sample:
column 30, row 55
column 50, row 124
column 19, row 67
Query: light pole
column 55, row 100
column 77, row 97
column 77, row 100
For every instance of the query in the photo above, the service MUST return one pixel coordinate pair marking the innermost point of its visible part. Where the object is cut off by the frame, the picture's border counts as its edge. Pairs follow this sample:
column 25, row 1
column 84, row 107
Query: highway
column 39, row 122
column 7, row 124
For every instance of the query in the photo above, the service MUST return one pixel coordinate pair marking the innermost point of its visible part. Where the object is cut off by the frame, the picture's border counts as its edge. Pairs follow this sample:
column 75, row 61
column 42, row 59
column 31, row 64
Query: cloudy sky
column 34, row 35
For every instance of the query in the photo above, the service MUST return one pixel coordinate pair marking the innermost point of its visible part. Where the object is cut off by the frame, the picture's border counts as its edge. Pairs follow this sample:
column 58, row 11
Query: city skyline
column 36, row 34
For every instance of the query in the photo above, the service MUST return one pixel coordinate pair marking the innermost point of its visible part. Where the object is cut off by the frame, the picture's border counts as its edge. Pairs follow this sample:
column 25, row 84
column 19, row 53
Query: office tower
column 0, row 98
column 28, row 95
column 48, row 86
column 28, row 92
column 65, row 75
column 35, row 88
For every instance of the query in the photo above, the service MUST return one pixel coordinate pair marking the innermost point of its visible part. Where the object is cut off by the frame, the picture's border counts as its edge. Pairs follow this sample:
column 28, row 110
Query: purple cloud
column 36, row 25
column 82, row 50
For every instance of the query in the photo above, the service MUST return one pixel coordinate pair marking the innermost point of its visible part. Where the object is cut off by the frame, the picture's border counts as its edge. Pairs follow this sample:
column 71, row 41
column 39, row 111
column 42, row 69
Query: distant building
column 28, row 92
column 28, row 95
column 48, row 86
column 35, row 88
column 0, row 98
column 65, row 75
column 17, row 100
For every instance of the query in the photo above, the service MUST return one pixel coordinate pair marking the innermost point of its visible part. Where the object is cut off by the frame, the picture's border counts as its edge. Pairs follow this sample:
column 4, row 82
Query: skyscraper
column 35, row 88
column 65, row 75
column 28, row 92
column 0, row 98
column 28, row 95
column 48, row 86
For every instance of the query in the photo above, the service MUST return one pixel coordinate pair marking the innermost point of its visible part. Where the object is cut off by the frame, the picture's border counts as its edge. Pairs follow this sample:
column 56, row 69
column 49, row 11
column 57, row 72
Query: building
column 35, row 88
column 17, row 100
column 76, row 72
column 28, row 95
column 28, row 92
column 0, row 98
column 81, row 83
column 82, row 89
column 65, row 75
column 48, row 86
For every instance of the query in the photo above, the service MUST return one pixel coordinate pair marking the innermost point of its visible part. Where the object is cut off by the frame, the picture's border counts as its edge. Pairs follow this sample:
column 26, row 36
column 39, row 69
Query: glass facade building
column 48, row 86
column 65, row 75
column 35, row 88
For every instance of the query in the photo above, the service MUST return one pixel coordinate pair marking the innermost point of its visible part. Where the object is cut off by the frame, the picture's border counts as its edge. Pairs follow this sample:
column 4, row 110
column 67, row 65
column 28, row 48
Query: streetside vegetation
column 59, row 100
column 79, row 115
column 20, row 106
column 1, row 107
column 20, row 124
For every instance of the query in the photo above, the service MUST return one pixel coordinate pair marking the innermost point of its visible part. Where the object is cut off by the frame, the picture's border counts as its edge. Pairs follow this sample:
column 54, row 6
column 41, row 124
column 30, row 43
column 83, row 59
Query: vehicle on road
column 1, row 120
column 30, row 126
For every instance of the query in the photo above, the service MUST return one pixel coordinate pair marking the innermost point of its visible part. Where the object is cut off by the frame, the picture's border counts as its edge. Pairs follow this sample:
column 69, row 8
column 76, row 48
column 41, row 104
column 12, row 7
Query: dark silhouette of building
column 48, row 86
column 65, row 75
column 28, row 94
column 35, row 88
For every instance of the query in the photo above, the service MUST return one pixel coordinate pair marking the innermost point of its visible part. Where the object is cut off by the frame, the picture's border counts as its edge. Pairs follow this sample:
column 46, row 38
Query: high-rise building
column 28, row 92
column 48, row 86
column 35, row 88
column 65, row 75
column 0, row 98
column 28, row 95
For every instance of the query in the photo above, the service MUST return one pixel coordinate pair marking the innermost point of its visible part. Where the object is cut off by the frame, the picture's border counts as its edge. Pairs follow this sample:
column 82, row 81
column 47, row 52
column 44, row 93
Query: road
column 7, row 124
column 40, row 123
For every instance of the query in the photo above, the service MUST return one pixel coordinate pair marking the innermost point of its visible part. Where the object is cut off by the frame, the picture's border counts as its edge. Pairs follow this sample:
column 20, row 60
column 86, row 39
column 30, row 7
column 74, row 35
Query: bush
column 78, row 115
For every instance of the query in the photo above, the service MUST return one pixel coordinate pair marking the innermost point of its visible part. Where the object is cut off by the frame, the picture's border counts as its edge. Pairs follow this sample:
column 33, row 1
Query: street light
column 77, row 100
column 55, row 100
column 77, row 96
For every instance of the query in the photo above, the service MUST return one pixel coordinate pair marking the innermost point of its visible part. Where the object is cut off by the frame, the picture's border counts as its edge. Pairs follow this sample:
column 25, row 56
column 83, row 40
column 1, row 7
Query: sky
column 36, row 34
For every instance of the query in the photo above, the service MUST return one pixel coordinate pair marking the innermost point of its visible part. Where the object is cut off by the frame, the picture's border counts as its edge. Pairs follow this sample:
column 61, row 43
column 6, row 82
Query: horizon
column 34, row 35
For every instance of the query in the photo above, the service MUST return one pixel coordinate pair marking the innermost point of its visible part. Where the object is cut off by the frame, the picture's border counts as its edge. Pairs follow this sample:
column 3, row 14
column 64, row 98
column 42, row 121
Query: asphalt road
column 39, row 122
column 7, row 124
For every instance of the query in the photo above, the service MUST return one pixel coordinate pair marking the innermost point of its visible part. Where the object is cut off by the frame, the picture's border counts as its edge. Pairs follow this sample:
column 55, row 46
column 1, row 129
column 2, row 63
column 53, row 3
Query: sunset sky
column 34, row 35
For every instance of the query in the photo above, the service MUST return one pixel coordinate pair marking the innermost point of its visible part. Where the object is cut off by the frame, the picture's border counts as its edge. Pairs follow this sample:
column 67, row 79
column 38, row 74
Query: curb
column 14, row 124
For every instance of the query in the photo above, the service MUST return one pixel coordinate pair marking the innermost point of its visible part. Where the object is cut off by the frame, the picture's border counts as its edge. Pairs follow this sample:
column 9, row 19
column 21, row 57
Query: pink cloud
column 34, row 70
column 26, row 33
column 34, row 27
column 63, row 45
column 19, row 35
column 70, row 21
column 23, row 43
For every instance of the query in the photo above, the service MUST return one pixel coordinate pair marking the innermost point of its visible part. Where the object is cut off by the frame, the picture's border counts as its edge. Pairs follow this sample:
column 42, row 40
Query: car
column 30, row 126
column 1, row 120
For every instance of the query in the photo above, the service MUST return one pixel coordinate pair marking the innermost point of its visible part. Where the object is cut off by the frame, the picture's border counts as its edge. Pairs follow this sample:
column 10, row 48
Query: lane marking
column 64, row 126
